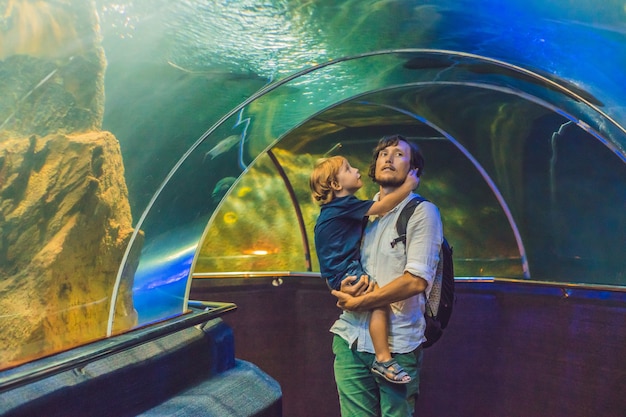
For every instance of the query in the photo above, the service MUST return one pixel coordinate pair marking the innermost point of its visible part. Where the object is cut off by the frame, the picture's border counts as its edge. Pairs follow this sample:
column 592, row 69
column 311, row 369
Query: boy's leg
column 399, row 400
column 379, row 331
column 357, row 388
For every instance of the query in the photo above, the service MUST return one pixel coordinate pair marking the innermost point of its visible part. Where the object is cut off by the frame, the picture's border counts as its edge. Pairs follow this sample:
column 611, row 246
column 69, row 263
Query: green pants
column 364, row 394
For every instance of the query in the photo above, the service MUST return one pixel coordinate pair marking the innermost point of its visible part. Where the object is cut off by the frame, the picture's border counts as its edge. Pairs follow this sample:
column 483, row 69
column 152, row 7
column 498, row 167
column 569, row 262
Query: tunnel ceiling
column 493, row 122
column 494, row 102
column 493, row 117
column 468, row 88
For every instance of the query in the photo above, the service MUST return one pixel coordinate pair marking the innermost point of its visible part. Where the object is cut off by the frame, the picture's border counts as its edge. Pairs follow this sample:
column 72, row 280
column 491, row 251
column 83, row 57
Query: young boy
column 338, row 233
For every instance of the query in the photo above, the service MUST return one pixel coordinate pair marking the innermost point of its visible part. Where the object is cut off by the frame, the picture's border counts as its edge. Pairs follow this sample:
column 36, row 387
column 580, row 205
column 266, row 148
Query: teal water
column 174, row 68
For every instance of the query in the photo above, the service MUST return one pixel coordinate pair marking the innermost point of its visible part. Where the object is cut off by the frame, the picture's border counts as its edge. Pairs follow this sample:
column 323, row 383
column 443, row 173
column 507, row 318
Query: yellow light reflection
column 243, row 191
column 230, row 217
column 257, row 252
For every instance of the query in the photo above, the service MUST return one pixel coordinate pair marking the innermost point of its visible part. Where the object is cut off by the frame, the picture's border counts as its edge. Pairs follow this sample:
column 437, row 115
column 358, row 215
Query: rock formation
column 65, row 219
column 65, row 222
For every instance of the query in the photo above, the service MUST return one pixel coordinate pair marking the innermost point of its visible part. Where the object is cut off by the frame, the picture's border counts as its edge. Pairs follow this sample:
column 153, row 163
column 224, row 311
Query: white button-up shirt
column 385, row 263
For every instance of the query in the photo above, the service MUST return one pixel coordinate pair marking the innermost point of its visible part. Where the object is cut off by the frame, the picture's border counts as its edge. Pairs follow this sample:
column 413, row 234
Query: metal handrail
column 200, row 312
column 473, row 279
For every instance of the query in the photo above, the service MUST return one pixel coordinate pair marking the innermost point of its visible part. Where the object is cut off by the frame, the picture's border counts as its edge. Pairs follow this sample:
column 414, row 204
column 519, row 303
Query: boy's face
column 393, row 164
column 349, row 178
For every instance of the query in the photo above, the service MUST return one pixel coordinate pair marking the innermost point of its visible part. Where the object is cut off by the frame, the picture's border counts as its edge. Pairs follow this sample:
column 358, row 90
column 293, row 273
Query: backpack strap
column 403, row 219
column 401, row 224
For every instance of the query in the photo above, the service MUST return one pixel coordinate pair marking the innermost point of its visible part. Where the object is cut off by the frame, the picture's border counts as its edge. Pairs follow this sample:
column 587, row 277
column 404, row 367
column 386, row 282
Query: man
column 402, row 274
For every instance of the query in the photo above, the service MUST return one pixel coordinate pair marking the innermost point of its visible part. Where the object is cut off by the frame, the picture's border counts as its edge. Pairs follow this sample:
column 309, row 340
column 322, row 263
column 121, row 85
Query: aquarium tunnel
column 519, row 182
column 155, row 203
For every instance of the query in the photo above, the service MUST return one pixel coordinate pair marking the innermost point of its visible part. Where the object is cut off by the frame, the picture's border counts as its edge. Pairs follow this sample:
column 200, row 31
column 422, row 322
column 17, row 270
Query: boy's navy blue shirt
column 338, row 235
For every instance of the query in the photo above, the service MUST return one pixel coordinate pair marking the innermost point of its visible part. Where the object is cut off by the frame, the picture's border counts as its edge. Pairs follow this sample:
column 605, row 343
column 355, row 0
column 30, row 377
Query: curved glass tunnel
column 502, row 147
column 147, row 142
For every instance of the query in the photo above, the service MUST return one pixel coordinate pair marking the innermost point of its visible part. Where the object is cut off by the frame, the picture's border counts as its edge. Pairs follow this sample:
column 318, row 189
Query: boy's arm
column 394, row 198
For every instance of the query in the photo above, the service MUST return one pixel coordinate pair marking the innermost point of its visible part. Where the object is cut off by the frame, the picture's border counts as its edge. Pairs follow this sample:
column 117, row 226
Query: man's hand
column 401, row 288
column 346, row 301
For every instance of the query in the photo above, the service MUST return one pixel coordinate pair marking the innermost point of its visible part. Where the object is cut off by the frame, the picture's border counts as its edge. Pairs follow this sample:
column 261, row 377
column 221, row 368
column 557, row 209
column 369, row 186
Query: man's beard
column 390, row 182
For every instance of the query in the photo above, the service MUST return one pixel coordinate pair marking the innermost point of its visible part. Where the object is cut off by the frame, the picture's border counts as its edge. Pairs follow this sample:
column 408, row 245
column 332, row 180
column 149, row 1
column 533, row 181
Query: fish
column 223, row 146
column 224, row 74
column 570, row 89
column 222, row 187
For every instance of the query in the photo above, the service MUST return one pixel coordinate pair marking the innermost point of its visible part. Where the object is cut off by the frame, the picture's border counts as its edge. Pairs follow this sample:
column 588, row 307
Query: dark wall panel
column 513, row 350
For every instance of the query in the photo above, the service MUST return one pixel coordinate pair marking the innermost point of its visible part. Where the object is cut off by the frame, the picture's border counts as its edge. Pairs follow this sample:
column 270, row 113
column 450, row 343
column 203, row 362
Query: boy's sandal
column 391, row 371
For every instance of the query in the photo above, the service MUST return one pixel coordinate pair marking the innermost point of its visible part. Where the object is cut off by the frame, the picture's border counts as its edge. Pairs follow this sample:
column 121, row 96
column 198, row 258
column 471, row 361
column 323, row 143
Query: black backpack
column 441, row 299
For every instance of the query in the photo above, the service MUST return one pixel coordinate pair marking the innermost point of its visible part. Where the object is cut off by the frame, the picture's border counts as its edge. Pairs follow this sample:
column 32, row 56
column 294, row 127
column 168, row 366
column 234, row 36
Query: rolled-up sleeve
column 424, row 237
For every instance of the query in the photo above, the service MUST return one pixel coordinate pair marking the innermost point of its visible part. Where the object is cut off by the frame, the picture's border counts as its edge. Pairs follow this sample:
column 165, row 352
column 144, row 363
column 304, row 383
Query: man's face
column 393, row 164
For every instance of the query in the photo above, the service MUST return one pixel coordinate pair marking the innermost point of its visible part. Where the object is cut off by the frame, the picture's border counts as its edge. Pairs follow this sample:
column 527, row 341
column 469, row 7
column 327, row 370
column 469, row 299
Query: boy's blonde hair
column 323, row 175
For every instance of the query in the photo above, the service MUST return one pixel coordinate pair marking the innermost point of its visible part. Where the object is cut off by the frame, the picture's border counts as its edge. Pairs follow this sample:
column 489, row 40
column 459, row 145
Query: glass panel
column 488, row 117
column 172, row 225
column 260, row 205
column 450, row 180
column 65, row 219
column 482, row 141
column 577, row 207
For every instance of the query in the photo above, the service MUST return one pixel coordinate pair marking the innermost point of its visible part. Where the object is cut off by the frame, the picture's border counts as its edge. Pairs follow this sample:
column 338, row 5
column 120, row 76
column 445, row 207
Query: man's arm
column 403, row 287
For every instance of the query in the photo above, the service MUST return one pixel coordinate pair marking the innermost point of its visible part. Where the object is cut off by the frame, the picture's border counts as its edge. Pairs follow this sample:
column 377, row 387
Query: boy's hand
column 413, row 179
column 363, row 286
column 348, row 297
